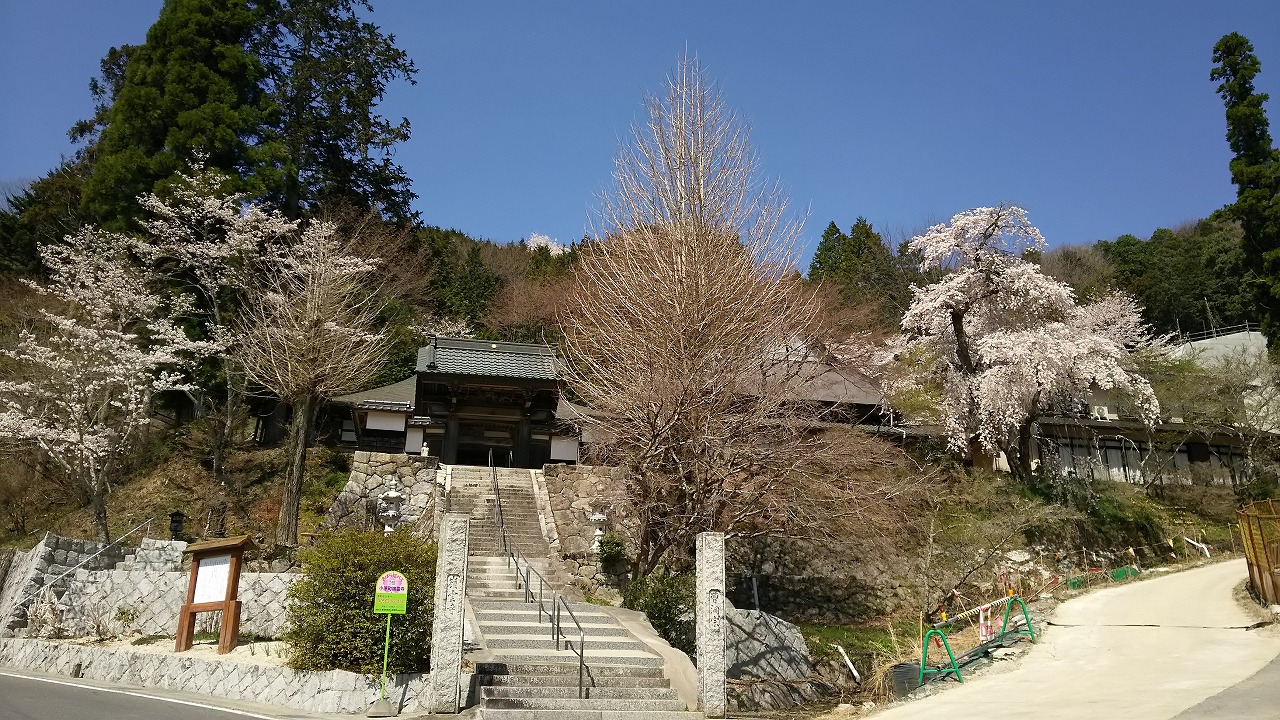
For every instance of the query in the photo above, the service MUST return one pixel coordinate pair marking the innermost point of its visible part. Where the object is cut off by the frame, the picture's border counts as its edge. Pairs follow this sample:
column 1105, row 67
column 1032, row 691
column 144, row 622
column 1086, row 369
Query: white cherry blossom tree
column 85, row 378
column 309, row 335
column 1000, row 340
column 214, row 247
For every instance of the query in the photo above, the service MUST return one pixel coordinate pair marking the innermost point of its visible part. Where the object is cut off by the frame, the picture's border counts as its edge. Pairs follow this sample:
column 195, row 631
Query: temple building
column 469, row 402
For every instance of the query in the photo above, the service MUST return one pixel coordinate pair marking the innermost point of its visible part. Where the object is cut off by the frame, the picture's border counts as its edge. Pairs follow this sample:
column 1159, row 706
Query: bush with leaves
column 331, row 621
column 669, row 601
column 613, row 550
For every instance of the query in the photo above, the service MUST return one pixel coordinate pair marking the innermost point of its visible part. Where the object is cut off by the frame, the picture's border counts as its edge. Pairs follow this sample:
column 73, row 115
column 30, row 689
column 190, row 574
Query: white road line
column 161, row 698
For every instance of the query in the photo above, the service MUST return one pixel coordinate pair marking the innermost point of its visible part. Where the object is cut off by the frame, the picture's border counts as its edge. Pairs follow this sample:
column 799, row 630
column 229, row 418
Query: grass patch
column 149, row 639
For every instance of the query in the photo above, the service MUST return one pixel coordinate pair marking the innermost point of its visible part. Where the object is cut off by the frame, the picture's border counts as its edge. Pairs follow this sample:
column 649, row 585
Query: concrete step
column 543, row 641
column 593, row 630
column 528, row 714
column 495, row 595
column 491, row 581
column 594, row 657
column 604, row 674
column 585, row 613
column 571, row 692
column 563, row 704
column 570, row 679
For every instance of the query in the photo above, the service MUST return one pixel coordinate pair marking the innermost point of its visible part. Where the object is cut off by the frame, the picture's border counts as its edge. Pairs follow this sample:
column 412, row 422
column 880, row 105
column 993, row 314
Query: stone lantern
column 389, row 504
column 597, row 518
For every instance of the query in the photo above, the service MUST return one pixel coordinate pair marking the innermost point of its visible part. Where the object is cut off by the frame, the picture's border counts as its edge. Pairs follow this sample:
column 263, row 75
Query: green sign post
column 390, row 597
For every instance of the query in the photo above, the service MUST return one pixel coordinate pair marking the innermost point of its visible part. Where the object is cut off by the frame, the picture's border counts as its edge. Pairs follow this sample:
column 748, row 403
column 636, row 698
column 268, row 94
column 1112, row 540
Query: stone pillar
column 710, row 624
column 446, row 627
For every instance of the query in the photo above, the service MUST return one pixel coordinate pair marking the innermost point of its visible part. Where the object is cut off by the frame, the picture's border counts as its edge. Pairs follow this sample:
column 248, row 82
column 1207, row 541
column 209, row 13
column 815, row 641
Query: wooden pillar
column 449, row 449
column 524, row 433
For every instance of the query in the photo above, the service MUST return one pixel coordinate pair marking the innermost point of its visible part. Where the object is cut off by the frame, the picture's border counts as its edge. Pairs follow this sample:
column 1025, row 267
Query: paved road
column 1167, row 647
column 32, row 699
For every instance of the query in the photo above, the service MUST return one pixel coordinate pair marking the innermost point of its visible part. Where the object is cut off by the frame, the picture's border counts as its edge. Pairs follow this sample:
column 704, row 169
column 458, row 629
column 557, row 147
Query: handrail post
column 582, row 658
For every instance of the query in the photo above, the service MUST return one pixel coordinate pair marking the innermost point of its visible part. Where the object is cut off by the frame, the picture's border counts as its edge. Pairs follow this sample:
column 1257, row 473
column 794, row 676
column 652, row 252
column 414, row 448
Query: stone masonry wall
column 44, row 566
column 17, row 573
column 575, row 492
column 157, row 555
column 372, row 474
column 334, row 691
column 151, row 600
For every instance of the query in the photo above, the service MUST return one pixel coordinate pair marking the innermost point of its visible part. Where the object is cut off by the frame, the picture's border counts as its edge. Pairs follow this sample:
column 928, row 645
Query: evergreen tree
column 190, row 92
column 326, row 70
column 44, row 213
column 862, row 268
column 1255, row 171
column 1186, row 280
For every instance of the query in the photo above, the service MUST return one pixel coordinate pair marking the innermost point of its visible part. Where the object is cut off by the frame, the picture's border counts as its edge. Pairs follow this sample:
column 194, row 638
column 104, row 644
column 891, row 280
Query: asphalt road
column 1175, row 646
column 33, row 699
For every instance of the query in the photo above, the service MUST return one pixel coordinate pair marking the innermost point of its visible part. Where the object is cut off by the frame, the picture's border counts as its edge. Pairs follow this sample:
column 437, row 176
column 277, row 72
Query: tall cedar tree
column 1255, row 171
column 862, row 269
column 327, row 70
column 190, row 92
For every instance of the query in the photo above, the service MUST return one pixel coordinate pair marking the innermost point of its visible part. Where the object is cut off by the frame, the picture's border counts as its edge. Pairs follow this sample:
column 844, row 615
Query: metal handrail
column 581, row 648
column 113, row 543
column 524, row 579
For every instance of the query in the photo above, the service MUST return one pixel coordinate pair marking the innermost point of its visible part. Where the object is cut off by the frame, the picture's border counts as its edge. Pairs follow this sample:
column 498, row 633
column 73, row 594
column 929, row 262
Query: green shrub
column 331, row 621
column 613, row 550
column 669, row 601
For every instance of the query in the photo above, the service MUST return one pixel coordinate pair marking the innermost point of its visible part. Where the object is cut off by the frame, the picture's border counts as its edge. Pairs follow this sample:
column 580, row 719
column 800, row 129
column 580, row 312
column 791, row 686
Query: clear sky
column 1098, row 117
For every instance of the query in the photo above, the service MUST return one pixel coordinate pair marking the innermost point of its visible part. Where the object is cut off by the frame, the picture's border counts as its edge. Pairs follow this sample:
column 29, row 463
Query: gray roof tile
column 459, row 356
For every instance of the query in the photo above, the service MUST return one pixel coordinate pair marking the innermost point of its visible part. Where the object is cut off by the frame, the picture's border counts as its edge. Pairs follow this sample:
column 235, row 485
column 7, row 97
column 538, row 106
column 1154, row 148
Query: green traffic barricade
column 955, row 662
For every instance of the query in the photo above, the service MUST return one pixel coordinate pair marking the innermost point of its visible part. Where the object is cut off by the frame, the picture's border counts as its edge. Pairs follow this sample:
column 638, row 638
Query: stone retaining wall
column 372, row 473
column 575, row 492
column 42, row 567
column 108, row 602
column 334, row 691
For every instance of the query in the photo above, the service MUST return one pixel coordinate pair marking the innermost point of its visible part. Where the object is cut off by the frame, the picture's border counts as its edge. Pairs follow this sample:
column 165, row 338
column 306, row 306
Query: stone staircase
column 523, row 672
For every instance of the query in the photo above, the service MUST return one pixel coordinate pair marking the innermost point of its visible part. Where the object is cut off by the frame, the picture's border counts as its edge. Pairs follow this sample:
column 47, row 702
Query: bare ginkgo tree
column 309, row 336
column 688, row 335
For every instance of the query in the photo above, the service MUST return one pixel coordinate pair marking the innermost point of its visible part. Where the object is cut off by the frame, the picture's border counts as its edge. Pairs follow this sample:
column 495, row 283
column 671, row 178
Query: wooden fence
column 1260, row 531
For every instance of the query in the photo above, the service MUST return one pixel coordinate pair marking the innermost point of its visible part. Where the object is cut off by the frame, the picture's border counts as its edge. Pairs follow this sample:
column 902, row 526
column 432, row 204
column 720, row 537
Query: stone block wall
column 16, row 575
column 372, row 473
column 575, row 492
column 157, row 555
column 47, row 565
column 334, row 691
column 151, row 601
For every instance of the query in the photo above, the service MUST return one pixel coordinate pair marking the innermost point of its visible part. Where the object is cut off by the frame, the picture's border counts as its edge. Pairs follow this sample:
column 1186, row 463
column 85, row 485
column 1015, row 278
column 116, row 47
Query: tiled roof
column 396, row 396
column 459, row 356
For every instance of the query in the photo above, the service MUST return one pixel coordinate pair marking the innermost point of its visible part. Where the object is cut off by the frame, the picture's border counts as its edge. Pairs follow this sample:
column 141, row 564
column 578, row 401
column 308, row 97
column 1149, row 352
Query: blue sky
column 1098, row 117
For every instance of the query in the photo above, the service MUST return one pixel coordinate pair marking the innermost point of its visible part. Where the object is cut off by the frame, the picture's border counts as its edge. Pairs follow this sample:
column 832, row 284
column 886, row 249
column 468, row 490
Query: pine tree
column 1255, row 171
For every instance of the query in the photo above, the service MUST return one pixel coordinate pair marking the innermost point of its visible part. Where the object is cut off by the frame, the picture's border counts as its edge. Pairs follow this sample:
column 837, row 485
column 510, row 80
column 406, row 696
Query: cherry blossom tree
column 310, row 335
column 84, row 381
column 1000, row 340
column 213, row 246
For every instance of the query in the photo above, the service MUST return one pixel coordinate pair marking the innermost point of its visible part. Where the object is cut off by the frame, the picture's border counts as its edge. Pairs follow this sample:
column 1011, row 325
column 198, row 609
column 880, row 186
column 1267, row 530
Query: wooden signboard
column 214, row 585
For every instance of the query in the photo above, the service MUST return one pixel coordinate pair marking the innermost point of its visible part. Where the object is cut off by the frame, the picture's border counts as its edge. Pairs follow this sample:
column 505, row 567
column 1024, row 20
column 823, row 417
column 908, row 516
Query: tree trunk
column 299, row 433
column 99, row 501
column 224, row 430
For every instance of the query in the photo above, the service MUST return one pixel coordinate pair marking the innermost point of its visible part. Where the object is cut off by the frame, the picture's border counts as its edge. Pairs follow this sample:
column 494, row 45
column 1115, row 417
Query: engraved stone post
column 710, row 628
column 446, row 627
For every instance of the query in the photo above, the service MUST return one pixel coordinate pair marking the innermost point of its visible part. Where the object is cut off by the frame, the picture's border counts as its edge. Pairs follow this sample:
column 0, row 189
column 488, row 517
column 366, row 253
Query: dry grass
column 180, row 482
